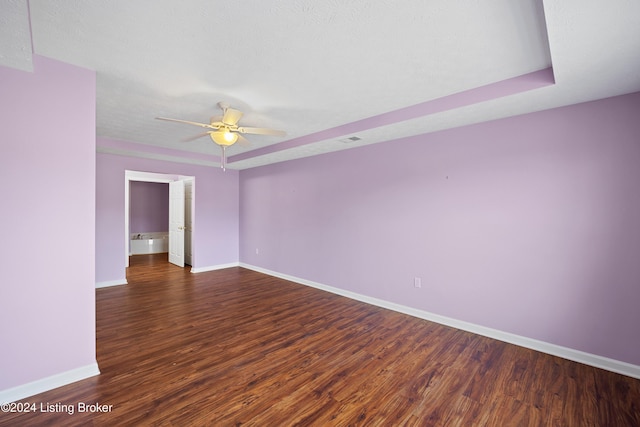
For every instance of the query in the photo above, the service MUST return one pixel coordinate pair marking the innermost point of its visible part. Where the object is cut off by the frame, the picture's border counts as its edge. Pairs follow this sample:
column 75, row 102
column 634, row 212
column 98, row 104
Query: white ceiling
column 306, row 66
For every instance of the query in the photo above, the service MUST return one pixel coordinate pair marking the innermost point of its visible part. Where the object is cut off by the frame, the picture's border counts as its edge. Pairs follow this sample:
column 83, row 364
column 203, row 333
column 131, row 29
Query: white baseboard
column 48, row 383
column 214, row 267
column 544, row 347
column 111, row 283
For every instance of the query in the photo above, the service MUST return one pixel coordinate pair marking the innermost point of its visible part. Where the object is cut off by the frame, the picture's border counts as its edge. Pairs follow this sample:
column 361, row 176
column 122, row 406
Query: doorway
column 182, row 242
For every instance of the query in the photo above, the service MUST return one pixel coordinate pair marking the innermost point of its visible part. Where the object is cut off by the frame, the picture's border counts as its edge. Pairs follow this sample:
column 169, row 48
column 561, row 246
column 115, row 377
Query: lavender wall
column 215, row 236
column 148, row 207
column 47, row 157
column 529, row 225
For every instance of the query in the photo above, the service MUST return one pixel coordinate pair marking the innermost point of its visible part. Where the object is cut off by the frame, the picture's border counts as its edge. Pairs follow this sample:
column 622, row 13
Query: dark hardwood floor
column 236, row 347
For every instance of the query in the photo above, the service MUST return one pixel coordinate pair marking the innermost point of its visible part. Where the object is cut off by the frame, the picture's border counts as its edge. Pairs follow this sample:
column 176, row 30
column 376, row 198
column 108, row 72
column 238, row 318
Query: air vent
column 351, row 139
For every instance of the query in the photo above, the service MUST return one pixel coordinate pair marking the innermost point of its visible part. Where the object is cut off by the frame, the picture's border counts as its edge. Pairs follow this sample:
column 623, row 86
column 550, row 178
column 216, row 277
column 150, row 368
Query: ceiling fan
column 224, row 130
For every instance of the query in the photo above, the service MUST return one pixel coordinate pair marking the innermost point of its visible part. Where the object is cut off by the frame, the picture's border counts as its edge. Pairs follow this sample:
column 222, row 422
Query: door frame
column 130, row 175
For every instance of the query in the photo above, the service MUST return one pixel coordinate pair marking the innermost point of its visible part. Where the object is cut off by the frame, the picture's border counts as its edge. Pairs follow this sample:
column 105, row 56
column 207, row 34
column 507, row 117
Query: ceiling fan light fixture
column 224, row 130
column 224, row 138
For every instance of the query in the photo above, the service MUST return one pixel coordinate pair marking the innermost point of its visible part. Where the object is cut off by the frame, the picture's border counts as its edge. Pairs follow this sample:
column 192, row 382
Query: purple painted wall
column 216, row 223
column 529, row 225
column 148, row 207
column 47, row 158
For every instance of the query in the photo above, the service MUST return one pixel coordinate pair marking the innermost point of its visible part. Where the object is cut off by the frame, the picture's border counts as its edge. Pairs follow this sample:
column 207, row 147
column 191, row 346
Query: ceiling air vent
column 351, row 139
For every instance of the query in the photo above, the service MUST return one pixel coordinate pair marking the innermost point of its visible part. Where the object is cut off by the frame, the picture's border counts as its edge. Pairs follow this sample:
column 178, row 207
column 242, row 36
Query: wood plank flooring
column 235, row 347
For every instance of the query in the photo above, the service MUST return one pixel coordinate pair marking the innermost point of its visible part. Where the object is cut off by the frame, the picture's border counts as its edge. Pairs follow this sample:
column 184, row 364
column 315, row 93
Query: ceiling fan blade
column 231, row 117
column 262, row 131
column 204, row 125
column 200, row 135
column 243, row 141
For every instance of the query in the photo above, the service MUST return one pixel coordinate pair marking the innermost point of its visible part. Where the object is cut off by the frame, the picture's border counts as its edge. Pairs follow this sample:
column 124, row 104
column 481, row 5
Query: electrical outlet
column 257, row 251
column 417, row 282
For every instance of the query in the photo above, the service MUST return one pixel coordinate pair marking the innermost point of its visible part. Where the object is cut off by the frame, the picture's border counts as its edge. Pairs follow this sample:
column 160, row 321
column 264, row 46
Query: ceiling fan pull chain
column 224, row 158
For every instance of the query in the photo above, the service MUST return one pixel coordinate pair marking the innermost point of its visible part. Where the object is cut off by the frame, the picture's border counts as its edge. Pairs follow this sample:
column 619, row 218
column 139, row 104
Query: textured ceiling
column 320, row 70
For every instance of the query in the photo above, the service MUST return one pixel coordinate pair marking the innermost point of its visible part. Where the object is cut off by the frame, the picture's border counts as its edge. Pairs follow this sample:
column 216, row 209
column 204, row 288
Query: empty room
column 278, row 213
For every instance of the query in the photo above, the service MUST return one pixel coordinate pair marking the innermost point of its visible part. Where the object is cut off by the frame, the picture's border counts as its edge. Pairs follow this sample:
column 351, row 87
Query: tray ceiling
column 324, row 71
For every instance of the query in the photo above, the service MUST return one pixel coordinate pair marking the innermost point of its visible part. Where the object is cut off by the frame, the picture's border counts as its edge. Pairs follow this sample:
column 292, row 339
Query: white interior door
column 188, row 222
column 176, row 223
